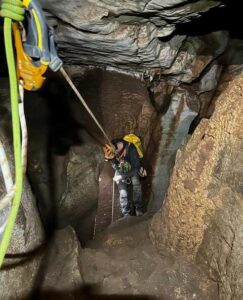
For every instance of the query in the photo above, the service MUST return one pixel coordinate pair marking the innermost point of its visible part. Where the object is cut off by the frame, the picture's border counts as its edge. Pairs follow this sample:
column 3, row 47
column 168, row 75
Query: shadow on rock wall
column 86, row 293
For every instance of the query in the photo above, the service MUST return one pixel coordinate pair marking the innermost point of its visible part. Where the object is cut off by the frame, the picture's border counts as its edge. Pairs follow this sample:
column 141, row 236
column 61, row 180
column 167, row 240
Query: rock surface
column 65, row 173
column 130, row 35
column 63, row 159
column 80, row 184
column 73, row 161
column 29, row 264
column 122, row 105
column 124, row 262
column 174, row 129
column 202, row 215
column 28, row 236
column 60, row 271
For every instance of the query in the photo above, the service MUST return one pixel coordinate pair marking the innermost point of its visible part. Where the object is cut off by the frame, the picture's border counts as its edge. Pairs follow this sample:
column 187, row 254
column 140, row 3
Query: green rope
column 15, row 127
column 13, row 9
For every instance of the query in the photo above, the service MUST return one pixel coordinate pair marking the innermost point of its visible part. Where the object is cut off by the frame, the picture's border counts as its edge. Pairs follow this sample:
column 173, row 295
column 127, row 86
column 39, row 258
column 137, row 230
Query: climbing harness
column 35, row 52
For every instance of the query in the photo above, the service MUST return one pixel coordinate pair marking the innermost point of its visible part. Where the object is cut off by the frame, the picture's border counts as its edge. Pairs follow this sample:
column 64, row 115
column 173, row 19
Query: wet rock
column 201, row 215
column 181, row 109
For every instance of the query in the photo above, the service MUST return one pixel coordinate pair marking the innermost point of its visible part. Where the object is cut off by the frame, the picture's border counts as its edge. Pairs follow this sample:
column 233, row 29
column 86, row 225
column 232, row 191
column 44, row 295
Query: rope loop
column 13, row 9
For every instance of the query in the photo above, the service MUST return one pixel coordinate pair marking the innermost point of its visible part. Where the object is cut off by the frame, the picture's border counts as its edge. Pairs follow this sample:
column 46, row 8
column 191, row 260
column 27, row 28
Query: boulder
column 63, row 159
column 60, row 271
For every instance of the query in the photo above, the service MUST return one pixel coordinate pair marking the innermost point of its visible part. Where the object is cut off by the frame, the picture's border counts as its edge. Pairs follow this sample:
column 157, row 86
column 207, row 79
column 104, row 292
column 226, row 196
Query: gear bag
column 135, row 140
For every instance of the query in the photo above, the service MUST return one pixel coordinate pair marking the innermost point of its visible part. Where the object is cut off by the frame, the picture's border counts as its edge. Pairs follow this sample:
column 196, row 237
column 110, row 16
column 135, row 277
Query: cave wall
column 28, row 234
column 201, row 219
column 69, row 175
column 129, row 35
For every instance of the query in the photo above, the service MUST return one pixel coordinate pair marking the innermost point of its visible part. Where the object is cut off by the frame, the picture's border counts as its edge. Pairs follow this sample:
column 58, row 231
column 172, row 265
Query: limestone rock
column 122, row 105
column 80, row 187
column 130, row 35
column 196, row 54
column 61, row 266
column 28, row 236
column 174, row 128
column 123, row 261
column 202, row 213
column 63, row 159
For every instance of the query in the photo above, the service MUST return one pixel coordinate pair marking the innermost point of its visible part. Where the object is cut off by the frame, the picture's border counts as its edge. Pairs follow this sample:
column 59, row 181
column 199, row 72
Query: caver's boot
column 137, row 199
column 139, row 212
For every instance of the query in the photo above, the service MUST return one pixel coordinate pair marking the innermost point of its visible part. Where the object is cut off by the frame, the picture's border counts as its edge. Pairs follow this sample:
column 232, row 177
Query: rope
column 13, row 9
column 23, row 128
column 7, row 177
column 15, row 120
column 8, row 181
column 113, row 202
column 65, row 75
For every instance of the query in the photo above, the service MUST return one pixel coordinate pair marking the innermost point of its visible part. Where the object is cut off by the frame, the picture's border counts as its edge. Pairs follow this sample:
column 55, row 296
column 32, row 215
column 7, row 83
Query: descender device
column 35, row 47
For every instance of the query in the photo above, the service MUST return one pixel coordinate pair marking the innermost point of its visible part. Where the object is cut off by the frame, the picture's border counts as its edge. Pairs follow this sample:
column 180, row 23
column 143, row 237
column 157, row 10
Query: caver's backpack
column 135, row 140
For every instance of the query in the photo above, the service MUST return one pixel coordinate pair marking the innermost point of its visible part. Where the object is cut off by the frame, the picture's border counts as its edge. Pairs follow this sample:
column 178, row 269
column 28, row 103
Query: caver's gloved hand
column 12, row 9
column 117, row 178
column 142, row 172
column 109, row 151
